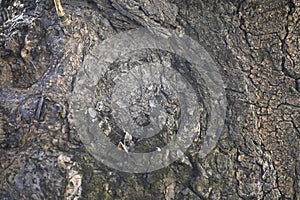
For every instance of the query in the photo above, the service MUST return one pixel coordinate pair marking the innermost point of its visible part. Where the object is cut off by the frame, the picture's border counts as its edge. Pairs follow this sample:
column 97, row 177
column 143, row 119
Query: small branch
column 60, row 11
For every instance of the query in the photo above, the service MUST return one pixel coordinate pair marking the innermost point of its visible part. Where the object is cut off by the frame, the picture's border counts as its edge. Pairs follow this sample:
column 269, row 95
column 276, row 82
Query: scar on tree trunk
column 60, row 11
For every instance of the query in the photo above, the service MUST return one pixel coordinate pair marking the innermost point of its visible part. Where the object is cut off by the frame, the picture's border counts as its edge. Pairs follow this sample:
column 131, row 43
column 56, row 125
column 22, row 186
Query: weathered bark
column 257, row 47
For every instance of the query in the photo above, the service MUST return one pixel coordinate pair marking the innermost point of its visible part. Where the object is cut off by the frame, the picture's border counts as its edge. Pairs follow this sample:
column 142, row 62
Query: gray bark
column 256, row 46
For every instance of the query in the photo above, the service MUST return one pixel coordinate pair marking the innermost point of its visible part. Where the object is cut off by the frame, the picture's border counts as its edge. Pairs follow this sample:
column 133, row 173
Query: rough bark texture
column 257, row 47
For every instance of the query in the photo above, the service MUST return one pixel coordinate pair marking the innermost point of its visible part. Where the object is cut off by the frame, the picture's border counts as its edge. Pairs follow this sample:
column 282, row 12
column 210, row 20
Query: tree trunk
column 46, row 153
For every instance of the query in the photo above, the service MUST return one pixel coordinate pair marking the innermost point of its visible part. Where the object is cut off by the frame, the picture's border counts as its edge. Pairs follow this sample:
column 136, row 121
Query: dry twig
column 60, row 11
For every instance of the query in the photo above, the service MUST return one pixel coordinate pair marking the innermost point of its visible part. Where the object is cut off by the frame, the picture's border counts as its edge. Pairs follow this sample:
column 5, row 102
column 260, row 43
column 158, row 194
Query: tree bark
column 256, row 46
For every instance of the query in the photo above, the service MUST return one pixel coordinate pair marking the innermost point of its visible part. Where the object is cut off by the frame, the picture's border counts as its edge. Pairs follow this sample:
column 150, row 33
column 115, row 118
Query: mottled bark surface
column 257, row 47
